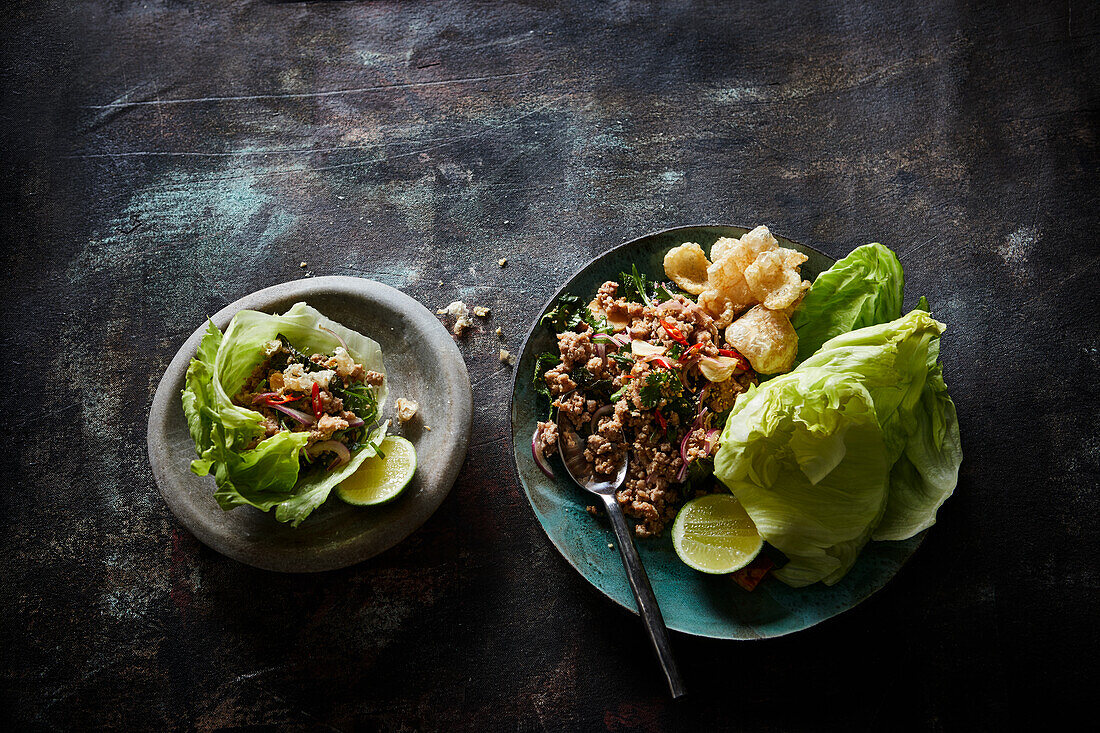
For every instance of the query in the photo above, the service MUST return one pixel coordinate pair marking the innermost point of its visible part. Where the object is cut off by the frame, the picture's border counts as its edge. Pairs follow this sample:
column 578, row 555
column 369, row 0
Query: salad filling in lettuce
column 282, row 408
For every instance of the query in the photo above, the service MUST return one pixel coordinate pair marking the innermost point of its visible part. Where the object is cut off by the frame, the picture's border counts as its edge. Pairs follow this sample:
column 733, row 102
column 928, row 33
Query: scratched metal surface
column 163, row 158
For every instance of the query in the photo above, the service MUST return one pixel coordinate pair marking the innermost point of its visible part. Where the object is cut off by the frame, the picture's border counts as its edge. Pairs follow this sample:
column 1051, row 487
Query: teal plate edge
column 691, row 602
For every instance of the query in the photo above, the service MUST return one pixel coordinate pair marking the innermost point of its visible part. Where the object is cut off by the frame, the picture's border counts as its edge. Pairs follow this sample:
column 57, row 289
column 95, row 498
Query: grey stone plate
column 422, row 363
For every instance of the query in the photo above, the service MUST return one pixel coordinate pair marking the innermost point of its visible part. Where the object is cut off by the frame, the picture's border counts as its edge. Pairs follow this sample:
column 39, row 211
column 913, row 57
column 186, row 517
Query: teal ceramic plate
column 691, row 602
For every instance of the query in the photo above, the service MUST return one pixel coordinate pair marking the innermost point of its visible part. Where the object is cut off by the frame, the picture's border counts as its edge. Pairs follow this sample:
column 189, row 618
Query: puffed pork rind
column 686, row 266
column 750, row 270
column 766, row 338
column 774, row 279
column 727, row 293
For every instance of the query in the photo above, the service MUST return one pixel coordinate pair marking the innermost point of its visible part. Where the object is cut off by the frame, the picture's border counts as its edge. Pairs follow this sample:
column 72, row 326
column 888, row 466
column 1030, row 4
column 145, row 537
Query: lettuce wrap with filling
column 269, row 474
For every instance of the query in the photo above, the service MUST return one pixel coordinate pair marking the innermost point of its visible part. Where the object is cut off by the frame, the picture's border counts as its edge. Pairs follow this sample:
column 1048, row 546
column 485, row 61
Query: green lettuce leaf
column 860, row 290
column 804, row 455
column 266, row 476
column 898, row 363
column 777, row 472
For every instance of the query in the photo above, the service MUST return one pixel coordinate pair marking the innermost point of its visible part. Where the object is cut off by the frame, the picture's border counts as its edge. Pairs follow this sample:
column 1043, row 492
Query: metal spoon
column 571, row 449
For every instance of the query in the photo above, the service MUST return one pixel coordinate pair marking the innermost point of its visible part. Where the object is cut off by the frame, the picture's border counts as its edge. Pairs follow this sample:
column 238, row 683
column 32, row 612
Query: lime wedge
column 714, row 534
column 379, row 480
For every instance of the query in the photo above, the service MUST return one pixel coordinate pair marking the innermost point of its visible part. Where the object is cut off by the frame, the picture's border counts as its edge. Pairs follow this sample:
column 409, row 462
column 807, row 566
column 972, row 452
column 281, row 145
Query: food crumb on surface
column 506, row 357
column 610, row 546
column 303, row 264
column 481, row 311
column 502, row 261
column 428, row 428
column 406, row 409
column 461, row 315
column 499, row 332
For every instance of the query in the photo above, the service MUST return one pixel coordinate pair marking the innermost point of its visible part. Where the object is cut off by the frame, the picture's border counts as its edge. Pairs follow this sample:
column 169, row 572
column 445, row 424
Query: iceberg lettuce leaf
column 863, row 289
column 799, row 455
column 804, row 455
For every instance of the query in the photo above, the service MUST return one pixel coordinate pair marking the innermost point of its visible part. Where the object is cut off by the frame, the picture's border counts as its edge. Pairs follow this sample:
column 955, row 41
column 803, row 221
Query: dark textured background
column 163, row 158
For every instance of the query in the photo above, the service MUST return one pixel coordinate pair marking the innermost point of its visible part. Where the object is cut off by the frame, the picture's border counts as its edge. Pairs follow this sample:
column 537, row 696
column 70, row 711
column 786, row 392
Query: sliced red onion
column 358, row 421
column 302, row 417
column 603, row 338
column 620, row 339
column 601, row 349
column 335, row 446
column 342, row 342
column 540, row 460
column 699, row 419
column 659, row 360
column 605, row 410
column 263, row 397
column 684, row 446
column 711, row 441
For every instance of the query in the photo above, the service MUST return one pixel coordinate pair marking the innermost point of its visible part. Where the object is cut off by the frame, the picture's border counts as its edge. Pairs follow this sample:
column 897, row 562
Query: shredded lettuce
column 860, row 441
column 860, row 290
column 266, row 476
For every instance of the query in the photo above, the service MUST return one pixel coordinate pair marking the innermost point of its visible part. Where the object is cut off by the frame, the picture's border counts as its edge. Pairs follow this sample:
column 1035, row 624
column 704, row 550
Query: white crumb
column 506, row 357
column 481, row 311
column 406, row 409
column 502, row 261
column 461, row 314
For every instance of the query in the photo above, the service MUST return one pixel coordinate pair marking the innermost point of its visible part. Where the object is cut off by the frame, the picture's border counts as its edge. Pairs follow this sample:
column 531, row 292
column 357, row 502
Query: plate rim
column 527, row 493
column 461, row 404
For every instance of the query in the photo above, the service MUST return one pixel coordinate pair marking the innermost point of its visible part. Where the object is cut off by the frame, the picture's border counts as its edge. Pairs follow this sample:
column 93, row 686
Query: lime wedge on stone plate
column 714, row 534
column 378, row 479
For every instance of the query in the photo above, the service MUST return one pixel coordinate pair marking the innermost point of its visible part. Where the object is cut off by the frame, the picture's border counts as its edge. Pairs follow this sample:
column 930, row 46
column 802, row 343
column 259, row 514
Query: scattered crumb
column 461, row 315
column 506, row 358
column 498, row 331
column 406, row 409
column 302, row 264
column 610, row 546
column 428, row 428
column 502, row 261
column 481, row 311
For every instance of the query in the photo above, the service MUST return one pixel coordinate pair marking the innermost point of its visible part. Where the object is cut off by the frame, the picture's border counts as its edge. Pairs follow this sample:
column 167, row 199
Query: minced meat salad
column 329, row 395
column 641, row 369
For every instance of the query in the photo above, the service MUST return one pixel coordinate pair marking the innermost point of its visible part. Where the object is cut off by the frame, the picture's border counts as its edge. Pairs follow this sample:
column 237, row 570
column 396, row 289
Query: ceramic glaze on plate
column 691, row 602
column 422, row 363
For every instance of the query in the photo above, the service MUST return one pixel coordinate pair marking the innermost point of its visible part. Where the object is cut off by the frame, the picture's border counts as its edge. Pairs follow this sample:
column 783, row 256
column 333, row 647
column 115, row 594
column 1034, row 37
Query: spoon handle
column 643, row 594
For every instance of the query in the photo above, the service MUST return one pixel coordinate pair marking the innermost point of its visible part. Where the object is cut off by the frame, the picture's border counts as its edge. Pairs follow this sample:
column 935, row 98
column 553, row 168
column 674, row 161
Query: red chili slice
column 737, row 355
column 661, row 420
column 318, row 408
column 281, row 400
column 673, row 332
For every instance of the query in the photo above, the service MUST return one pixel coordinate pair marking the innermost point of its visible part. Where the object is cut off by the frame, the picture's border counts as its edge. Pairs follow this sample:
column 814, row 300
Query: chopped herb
column 598, row 323
column 619, row 394
column 634, row 286
column 660, row 384
column 622, row 360
column 675, row 351
column 668, row 291
column 543, row 363
column 567, row 314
